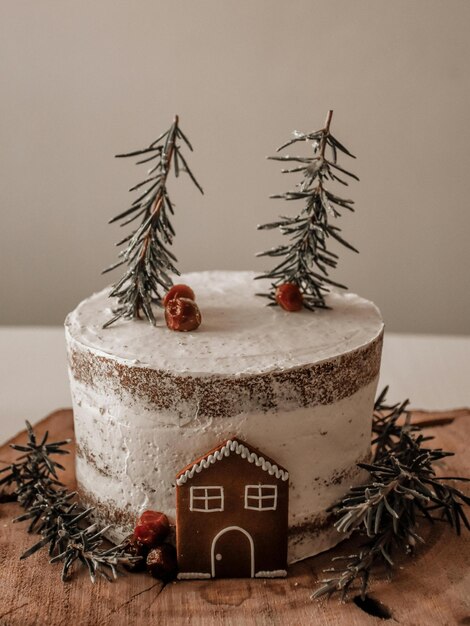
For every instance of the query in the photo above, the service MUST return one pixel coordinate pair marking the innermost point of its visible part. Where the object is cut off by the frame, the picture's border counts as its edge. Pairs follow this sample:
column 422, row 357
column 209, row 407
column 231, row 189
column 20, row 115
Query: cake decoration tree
column 149, row 261
column 301, row 275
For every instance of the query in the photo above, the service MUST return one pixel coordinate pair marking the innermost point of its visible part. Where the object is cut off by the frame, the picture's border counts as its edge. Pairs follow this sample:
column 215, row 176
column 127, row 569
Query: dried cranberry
column 289, row 297
column 152, row 528
column 179, row 291
column 146, row 535
column 132, row 547
column 182, row 314
column 161, row 562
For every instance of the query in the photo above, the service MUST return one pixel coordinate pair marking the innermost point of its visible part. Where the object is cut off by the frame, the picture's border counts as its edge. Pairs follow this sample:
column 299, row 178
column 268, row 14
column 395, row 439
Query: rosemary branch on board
column 54, row 514
column 403, row 490
column 149, row 261
column 306, row 260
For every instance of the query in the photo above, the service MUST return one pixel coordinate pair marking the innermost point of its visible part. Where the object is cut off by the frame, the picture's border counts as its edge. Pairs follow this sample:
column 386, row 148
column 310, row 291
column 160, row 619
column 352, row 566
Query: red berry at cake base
column 144, row 534
column 182, row 314
column 151, row 528
column 289, row 297
column 135, row 548
column 155, row 518
column 161, row 562
column 179, row 291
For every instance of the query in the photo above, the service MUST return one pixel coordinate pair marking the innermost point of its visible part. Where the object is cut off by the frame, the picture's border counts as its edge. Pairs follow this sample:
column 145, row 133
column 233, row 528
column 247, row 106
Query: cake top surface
column 239, row 334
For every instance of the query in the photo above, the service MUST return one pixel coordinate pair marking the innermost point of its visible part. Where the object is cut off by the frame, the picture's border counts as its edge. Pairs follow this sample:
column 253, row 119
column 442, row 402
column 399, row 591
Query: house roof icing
column 231, row 446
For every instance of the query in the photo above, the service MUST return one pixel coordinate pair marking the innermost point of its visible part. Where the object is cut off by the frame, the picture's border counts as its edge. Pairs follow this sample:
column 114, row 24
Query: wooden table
column 432, row 588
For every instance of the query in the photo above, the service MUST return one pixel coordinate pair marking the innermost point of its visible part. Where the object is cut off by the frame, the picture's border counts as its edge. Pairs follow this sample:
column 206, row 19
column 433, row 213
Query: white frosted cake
column 298, row 386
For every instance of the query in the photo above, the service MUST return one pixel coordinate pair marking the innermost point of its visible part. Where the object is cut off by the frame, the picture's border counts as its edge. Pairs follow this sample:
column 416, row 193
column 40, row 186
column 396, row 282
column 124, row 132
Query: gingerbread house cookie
column 231, row 514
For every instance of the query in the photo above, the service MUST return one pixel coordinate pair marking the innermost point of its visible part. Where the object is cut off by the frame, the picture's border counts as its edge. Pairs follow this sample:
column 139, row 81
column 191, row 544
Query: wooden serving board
column 431, row 588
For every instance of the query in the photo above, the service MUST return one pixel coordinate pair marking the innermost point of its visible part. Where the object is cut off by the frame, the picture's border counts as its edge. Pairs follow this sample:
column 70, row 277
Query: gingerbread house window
column 261, row 497
column 206, row 499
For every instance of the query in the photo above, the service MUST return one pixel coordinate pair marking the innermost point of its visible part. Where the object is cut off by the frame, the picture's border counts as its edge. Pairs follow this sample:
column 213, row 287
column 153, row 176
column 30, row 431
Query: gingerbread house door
column 232, row 554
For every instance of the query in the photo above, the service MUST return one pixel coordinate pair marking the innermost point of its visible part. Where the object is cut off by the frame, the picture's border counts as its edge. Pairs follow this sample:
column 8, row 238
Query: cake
column 299, row 387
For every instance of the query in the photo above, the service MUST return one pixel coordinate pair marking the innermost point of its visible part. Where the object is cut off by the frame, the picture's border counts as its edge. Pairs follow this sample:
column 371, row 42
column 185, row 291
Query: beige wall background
column 82, row 80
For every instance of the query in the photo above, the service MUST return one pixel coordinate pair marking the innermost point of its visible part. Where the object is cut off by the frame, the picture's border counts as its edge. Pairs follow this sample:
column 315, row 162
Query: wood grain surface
column 433, row 588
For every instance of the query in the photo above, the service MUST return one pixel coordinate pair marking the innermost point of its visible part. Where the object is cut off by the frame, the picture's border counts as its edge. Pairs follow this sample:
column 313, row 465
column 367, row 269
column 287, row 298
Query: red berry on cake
column 152, row 528
column 182, row 314
column 289, row 297
column 179, row 291
column 161, row 562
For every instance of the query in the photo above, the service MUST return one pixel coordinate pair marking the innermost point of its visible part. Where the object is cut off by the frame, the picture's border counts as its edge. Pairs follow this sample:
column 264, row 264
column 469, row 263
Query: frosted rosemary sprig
column 403, row 490
column 52, row 512
column 306, row 259
column 146, row 254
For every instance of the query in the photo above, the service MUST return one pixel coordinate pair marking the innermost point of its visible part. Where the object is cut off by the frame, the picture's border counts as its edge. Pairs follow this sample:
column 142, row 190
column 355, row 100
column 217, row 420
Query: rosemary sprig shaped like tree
column 52, row 512
column 306, row 259
column 403, row 490
column 146, row 254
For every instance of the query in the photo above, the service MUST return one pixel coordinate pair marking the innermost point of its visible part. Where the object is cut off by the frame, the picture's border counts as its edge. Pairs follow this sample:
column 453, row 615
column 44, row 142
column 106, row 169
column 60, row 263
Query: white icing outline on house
column 260, row 497
column 232, row 446
column 252, row 548
column 275, row 573
column 193, row 575
column 205, row 498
